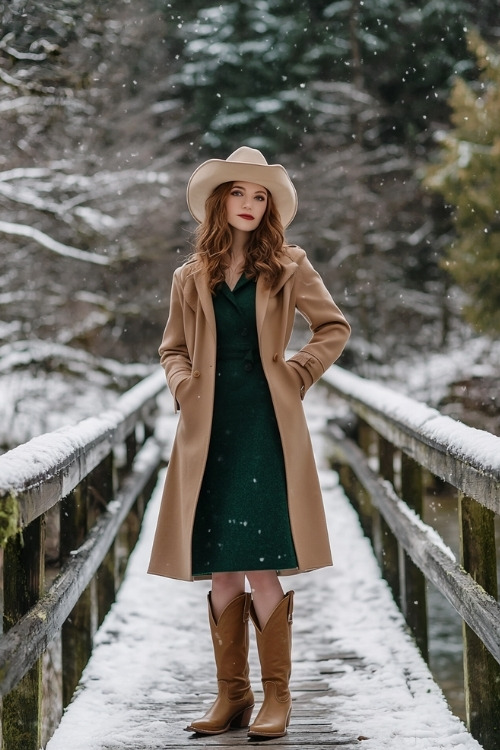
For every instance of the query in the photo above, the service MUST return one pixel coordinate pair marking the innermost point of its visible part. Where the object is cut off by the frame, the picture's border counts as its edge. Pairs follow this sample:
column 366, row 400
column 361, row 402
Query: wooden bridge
column 71, row 508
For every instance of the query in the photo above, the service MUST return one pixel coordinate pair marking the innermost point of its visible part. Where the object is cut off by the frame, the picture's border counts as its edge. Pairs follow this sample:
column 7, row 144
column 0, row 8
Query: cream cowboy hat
column 246, row 164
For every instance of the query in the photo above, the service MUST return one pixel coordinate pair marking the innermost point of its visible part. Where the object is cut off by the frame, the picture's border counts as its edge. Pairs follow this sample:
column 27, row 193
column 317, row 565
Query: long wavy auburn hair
column 213, row 241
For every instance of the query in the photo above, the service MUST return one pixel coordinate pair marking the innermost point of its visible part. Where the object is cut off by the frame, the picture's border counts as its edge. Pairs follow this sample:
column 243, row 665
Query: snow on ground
column 155, row 636
column 427, row 376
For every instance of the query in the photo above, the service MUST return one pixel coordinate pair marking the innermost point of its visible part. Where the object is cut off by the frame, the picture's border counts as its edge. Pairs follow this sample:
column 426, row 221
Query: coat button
column 244, row 332
column 196, row 374
column 275, row 357
column 248, row 366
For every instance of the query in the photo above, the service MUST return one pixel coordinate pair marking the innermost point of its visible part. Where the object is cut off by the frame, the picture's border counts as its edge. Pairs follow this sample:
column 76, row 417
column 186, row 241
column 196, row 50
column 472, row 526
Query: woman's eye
column 236, row 192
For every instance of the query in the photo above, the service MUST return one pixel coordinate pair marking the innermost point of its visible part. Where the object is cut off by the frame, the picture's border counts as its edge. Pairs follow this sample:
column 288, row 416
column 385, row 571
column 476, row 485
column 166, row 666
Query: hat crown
column 247, row 155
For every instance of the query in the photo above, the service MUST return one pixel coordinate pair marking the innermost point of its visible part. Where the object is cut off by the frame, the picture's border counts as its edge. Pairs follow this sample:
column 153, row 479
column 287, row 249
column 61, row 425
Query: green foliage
column 468, row 176
column 245, row 70
column 411, row 50
column 9, row 518
column 257, row 70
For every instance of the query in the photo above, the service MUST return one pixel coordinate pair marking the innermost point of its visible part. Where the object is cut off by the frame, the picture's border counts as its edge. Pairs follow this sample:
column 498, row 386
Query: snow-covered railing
column 83, row 489
column 392, row 447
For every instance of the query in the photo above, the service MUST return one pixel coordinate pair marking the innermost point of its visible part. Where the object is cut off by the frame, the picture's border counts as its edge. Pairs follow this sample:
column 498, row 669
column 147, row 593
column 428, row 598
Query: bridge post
column 481, row 670
column 131, row 448
column 102, row 485
column 24, row 567
column 129, row 532
column 365, row 507
column 76, row 636
column 353, row 488
column 413, row 595
column 389, row 555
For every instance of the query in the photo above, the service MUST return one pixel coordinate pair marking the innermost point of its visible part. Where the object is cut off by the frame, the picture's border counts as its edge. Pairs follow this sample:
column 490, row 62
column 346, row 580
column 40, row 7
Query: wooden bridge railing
column 393, row 445
column 84, row 489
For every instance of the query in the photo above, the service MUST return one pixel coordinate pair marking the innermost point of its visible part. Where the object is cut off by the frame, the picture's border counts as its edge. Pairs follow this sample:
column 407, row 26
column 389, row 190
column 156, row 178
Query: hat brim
column 214, row 172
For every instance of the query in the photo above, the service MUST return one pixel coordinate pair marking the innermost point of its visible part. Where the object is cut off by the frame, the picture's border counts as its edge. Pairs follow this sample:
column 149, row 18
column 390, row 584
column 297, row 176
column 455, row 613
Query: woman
column 242, row 499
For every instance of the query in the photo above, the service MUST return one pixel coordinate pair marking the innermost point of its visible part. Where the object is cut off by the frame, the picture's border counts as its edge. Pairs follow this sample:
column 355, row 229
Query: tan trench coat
column 188, row 354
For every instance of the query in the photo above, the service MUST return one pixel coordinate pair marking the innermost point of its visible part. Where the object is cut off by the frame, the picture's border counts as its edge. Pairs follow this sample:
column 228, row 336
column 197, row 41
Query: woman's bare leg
column 225, row 588
column 266, row 592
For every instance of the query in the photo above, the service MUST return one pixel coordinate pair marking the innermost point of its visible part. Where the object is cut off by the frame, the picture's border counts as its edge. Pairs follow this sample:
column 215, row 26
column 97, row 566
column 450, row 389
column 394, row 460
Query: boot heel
column 242, row 720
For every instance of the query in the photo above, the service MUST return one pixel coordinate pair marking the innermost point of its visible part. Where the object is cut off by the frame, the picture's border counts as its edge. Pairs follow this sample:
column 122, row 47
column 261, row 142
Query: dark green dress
column 242, row 520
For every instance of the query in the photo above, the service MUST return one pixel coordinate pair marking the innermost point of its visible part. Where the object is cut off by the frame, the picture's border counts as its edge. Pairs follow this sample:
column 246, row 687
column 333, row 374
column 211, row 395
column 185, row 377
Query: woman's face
column 246, row 205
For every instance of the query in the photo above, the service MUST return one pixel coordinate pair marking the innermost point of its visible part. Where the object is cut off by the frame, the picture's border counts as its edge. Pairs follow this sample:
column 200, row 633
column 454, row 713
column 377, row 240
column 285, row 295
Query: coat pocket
column 181, row 387
column 295, row 375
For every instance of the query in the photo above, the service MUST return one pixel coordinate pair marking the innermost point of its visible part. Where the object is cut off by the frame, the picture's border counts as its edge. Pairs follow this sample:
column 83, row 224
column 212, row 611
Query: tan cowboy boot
column 234, row 703
column 274, row 644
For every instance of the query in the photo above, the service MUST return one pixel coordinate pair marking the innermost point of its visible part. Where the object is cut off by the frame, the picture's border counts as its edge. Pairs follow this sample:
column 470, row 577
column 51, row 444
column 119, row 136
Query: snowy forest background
column 107, row 106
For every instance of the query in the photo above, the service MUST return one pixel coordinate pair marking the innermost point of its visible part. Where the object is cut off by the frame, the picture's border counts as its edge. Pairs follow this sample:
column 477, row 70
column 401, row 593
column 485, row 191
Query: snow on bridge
column 358, row 680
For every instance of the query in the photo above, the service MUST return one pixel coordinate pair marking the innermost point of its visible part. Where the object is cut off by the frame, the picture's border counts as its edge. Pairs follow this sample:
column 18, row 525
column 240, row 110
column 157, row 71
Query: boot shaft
column 274, row 644
column 274, row 641
column 231, row 640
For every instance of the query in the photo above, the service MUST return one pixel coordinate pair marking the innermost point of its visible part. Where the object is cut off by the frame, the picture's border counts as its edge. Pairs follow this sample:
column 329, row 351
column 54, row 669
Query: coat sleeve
column 173, row 351
column 330, row 330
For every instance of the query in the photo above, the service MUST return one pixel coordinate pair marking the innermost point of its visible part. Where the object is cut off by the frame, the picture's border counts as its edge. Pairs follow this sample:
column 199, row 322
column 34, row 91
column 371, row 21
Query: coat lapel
column 198, row 292
column 264, row 293
column 288, row 271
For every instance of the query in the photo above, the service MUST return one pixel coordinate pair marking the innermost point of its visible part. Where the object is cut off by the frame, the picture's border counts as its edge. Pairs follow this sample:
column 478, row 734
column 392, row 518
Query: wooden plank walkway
column 357, row 681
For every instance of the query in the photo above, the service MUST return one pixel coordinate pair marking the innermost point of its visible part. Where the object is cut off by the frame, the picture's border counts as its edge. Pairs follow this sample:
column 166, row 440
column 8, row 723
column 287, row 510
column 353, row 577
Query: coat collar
column 196, row 292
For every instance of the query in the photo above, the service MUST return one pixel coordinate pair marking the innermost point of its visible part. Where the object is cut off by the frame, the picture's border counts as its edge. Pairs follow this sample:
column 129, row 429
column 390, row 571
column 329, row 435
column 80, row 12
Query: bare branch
column 38, row 103
column 23, row 230
column 25, row 86
column 13, row 52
